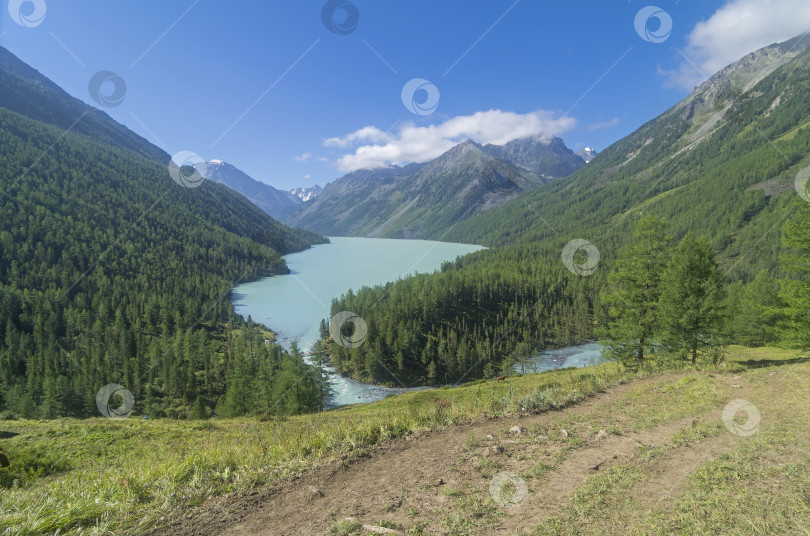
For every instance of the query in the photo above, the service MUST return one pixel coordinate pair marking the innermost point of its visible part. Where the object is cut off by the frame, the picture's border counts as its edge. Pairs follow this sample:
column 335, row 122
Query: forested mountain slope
column 110, row 272
column 716, row 163
column 722, row 163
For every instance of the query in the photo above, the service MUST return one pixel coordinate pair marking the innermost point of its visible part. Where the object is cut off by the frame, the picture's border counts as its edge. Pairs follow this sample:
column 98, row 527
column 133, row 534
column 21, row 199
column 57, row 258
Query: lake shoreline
column 291, row 306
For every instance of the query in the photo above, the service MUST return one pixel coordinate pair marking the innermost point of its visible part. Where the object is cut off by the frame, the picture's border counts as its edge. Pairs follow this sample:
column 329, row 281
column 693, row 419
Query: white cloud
column 366, row 134
column 307, row 177
column 419, row 144
column 302, row 157
column 734, row 30
column 603, row 125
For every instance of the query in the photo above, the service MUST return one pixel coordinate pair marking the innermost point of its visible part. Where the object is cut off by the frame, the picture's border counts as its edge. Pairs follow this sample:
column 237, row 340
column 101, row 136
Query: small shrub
column 345, row 527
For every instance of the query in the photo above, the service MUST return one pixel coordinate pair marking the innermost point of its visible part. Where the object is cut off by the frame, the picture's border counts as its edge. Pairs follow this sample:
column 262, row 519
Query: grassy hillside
column 100, row 475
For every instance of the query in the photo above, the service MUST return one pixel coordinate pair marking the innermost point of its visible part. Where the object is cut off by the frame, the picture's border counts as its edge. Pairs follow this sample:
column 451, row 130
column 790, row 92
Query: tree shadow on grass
column 759, row 363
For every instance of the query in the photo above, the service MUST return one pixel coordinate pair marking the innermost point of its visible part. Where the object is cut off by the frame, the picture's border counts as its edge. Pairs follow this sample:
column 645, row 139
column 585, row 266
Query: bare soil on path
column 426, row 477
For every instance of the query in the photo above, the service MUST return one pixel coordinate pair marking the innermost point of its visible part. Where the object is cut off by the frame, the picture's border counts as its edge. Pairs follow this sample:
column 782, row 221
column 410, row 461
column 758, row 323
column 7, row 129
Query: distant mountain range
column 278, row 204
column 424, row 200
column 415, row 201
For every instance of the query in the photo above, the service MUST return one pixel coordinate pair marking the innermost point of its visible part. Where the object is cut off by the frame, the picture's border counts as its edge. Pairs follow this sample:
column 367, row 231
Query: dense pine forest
column 733, row 190
column 463, row 322
column 112, row 273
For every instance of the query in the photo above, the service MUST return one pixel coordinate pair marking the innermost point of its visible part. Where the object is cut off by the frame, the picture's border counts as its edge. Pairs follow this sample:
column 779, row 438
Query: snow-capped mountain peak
column 587, row 154
column 305, row 194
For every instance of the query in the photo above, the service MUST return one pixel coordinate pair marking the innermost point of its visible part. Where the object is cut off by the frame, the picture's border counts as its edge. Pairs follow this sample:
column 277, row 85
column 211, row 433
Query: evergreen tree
column 691, row 295
column 795, row 325
column 199, row 410
column 753, row 310
column 320, row 359
column 632, row 296
column 521, row 356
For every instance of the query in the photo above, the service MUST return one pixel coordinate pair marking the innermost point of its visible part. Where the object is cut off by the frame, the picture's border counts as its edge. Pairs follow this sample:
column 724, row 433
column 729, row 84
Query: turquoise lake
column 293, row 305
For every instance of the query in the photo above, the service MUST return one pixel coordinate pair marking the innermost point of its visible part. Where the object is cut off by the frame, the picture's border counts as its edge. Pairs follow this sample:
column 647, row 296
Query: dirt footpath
column 419, row 482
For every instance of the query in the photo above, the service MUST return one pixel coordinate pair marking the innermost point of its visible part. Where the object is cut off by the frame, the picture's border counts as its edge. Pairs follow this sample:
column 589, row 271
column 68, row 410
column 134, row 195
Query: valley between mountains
column 134, row 399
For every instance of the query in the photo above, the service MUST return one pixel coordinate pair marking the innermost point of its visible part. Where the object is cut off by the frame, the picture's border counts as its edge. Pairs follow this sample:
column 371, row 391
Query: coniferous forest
column 112, row 273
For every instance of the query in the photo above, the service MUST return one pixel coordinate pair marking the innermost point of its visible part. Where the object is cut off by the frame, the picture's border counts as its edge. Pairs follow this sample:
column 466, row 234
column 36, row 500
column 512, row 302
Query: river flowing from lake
column 293, row 305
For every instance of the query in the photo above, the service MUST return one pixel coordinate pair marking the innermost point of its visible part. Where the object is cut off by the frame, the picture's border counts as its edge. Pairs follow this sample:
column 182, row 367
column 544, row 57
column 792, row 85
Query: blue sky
column 269, row 88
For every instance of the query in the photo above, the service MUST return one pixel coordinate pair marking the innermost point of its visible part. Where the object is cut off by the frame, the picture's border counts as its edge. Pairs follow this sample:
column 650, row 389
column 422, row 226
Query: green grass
column 345, row 527
column 97, row 476
column 450, row 491
column 757, row 485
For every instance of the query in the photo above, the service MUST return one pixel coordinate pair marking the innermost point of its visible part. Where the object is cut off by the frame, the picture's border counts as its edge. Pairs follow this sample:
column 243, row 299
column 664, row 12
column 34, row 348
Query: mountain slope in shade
column 424, row 200
column 277, row 203
column 28, row 92
column 419, row 200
